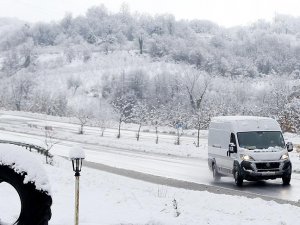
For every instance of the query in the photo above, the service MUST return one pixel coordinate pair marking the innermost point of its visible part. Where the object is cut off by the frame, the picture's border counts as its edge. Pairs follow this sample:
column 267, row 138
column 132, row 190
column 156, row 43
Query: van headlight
column 285, row 156
column 246, row 157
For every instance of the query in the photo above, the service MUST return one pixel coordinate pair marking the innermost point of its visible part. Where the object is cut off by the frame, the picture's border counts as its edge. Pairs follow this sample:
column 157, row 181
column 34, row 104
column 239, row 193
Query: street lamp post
column 77, row 155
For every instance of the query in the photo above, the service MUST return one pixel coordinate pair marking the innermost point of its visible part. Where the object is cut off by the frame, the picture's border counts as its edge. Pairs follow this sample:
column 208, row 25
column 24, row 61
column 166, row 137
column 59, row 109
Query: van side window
column 232, row 139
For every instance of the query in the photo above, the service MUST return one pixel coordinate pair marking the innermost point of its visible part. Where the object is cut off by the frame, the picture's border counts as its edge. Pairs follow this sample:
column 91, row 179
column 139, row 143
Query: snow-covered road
column 192, row 170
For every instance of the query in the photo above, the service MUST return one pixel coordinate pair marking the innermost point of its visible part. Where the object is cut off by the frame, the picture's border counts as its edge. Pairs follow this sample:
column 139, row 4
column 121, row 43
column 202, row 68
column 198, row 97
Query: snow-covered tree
column 156, row 119
column 197, row 85
column 82, row 109
column 74, row 83
column 49, row 102
column 103, row 114
column 140, row 115
column 49, row 140
column 21, row 91
column 123, row 108
column 177, row 118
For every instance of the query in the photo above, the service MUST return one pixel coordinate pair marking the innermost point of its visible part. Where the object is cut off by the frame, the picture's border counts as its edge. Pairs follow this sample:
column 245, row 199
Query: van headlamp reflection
column 285, row 156
column 246, row 157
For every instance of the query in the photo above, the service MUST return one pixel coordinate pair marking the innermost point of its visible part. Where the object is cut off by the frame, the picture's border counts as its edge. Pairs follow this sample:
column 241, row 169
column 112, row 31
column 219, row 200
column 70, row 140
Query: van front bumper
column 253, row 170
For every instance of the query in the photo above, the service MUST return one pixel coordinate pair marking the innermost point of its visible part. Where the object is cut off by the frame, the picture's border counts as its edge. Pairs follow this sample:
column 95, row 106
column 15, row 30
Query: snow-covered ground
column 110, row 199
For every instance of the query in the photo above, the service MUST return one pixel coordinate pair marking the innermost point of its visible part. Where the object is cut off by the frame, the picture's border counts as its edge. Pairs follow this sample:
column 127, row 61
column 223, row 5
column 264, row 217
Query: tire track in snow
column 184, row 184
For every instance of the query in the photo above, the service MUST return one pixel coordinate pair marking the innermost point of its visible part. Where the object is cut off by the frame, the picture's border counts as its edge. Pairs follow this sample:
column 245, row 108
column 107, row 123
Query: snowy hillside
column 134, row 94
column 9, row 25
column 152, row 70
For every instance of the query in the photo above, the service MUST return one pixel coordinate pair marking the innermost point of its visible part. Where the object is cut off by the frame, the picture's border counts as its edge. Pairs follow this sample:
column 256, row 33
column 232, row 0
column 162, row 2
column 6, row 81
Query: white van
column 249, row 148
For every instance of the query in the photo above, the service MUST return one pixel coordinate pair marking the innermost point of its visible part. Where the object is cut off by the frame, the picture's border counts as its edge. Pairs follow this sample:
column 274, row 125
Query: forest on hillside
column 152, row 70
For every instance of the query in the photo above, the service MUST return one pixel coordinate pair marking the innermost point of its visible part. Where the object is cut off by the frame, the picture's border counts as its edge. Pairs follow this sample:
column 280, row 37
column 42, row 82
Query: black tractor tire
column 35, row 204
column 216, row 175
column 238, row 178
column 286, row 179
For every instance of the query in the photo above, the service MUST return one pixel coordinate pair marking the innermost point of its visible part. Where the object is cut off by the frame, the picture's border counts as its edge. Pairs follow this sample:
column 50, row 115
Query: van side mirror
column 232, row 148
column 289, row 146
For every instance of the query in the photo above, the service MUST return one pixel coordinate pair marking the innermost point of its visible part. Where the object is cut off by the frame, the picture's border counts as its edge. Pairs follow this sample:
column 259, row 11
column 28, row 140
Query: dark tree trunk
column 138, row 133
column 198, row 135
column 18, row 106
column 156, row 132
column 141, row 42
column 27, row 61
column 119, row 130
column 81, row 129
column 178, row 138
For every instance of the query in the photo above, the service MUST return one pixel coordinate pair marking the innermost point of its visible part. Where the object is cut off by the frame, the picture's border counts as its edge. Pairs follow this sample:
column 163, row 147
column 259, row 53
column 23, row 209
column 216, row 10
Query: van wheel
column 238, row 178
column 216, row 175
column 286, row 179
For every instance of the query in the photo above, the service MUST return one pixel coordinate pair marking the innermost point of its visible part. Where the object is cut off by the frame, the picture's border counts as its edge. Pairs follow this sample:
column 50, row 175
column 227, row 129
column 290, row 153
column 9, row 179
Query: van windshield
column 260, row 139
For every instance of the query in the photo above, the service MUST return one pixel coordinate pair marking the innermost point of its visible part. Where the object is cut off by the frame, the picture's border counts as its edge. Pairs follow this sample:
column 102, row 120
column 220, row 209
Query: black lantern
column 77, row 165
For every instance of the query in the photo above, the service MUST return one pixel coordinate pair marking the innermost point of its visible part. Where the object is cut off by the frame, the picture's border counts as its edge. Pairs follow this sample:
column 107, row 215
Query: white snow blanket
column 23, row 162
column 76, row 153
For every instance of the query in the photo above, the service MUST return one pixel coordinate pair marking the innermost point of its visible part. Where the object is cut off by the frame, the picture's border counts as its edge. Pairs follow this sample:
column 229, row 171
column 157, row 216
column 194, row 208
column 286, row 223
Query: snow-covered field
column 65, row 129
column 110, row 199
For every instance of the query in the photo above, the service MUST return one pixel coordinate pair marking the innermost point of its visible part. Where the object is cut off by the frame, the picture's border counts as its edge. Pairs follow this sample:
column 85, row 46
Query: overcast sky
column 223, row 12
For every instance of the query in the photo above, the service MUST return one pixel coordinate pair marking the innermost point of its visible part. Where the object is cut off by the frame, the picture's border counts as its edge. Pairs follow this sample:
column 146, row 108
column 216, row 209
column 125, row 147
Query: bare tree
column 83, row 120
column 69, row 53
column 103, row 124
column 140, row 115
column 178, row 119
column 141, row 43
column 122, row 107
column 103, row 115
column 200, row 120
column 18, row 58
column 11, row 62
column 156, row 118
column 49, row 140
column 74, row 83
column 197, row 86
column 21, row 88
column 279, row 95
column 83, row 111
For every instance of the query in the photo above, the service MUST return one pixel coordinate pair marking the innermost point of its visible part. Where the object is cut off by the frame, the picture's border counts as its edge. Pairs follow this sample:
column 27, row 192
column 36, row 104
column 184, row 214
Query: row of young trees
column 191, row 102
column 180, row 101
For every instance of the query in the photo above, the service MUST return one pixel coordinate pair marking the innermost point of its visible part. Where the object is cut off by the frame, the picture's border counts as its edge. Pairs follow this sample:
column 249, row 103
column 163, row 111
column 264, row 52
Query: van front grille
column 268, row 166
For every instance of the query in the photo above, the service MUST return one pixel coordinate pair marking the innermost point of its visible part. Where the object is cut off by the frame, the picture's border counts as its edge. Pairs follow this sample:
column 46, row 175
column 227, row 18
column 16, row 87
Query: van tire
column 35, row 204
column 286, row 179
column 238, row 178
column 216, row 175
